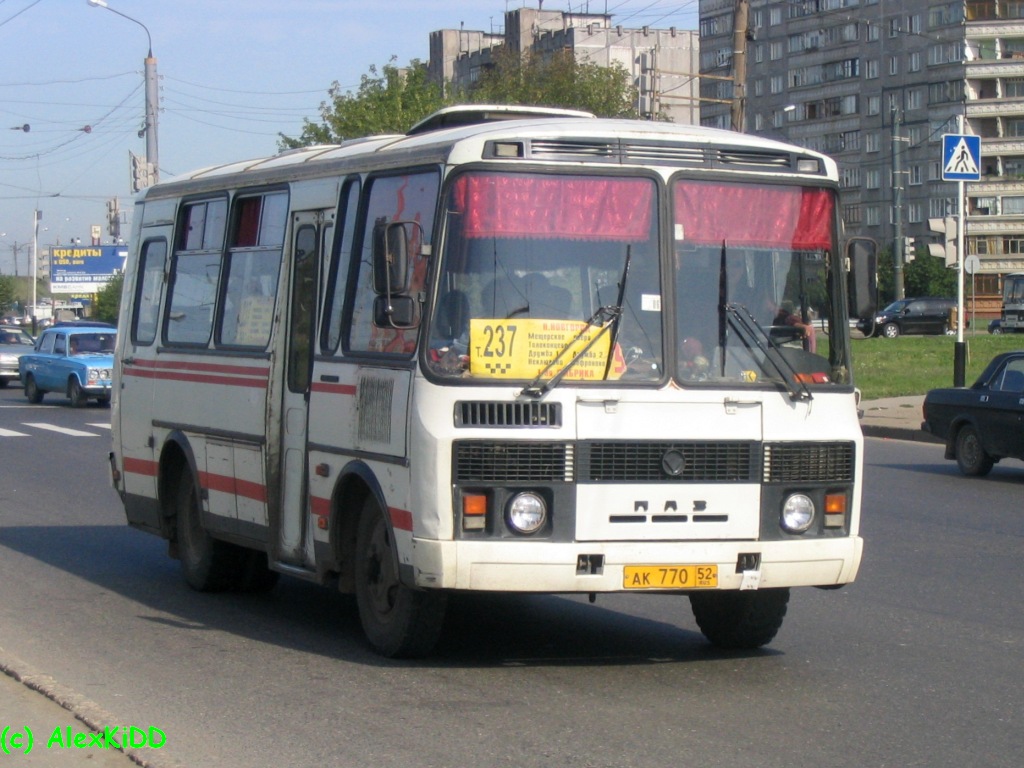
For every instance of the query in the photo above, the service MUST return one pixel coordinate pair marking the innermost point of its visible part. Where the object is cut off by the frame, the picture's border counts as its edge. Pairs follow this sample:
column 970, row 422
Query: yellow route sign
column 520, row 348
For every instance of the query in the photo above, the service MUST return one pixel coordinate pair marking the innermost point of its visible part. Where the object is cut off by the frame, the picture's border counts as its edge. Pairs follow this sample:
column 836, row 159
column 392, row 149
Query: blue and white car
column 76, row 360
column 14, row 342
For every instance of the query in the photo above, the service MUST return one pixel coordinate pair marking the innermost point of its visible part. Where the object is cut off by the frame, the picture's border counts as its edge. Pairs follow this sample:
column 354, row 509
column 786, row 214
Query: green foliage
column 108, row 301
column 926, row 275
column 556, row 81
column 911, row 365
column 8, row 293
column 395, row 98
column 389, row 101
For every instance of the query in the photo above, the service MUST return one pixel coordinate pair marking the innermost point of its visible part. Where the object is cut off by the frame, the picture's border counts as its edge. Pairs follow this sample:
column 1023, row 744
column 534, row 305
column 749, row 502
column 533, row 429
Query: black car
column 983, row 423
column 924, row 315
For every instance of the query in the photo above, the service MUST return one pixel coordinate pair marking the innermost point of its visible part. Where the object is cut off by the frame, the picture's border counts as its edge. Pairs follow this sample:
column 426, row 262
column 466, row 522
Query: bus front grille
column 694, row 461
column 512, row 462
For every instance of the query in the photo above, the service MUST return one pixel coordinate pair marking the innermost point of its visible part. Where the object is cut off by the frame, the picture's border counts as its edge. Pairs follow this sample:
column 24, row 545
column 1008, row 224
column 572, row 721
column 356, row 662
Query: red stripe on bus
column 141, row 466
column 199, row 378
column 234, row 486
column 320, row 507
column 334, row 389
column 183, row 365
column 401, row 519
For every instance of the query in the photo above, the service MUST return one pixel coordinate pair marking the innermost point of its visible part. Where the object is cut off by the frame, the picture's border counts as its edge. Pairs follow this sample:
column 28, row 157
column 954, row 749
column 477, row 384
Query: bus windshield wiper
column 752, row 334
column 607, row 317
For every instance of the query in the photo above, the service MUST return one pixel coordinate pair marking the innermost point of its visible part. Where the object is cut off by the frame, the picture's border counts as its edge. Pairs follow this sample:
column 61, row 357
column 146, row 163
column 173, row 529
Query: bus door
column 310, row 231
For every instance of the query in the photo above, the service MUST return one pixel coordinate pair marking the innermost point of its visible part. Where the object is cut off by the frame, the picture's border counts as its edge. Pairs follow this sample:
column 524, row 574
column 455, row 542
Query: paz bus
column 1013, row 303
column 509, row 351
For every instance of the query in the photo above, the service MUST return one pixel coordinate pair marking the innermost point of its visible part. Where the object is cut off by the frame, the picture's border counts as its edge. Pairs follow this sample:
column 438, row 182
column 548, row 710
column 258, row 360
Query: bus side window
column 148, row 292
column 336, row 281
column 411, row 197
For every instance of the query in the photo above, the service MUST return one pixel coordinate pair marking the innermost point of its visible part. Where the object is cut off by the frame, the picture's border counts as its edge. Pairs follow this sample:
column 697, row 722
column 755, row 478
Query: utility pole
column 739, row 64
column 898, row 256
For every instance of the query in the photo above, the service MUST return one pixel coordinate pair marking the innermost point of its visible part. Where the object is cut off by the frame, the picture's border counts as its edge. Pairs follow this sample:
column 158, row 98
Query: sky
column 233, row 75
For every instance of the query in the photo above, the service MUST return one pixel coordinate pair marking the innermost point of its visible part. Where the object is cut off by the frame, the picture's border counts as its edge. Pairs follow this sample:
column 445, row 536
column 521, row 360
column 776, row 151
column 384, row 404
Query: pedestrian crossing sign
column 961, row 157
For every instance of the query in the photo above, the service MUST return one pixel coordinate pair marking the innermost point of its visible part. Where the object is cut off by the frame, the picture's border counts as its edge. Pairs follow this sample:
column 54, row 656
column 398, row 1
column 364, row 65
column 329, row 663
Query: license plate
column 669, row 576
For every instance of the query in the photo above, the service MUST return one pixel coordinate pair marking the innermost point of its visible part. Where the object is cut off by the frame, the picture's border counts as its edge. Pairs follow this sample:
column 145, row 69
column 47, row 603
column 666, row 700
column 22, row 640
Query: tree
column 108, row 300
column 389, row 101
column 929, row 276
column 559, row 80
column 7, row 293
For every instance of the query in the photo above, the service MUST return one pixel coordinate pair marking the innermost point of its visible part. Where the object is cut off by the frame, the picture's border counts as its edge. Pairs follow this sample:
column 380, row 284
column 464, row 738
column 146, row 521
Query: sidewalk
column 898, row 418
column 24, row 708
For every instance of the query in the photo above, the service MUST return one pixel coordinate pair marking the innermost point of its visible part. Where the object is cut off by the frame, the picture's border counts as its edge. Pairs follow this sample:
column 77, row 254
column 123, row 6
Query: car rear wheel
column 890, row 330
column 970, row 455
column 32, row 390
column 740, row 620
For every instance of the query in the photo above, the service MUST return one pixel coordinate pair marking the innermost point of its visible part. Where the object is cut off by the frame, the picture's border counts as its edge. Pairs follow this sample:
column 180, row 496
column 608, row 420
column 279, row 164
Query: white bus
column 1013, row 303
column 501, row 353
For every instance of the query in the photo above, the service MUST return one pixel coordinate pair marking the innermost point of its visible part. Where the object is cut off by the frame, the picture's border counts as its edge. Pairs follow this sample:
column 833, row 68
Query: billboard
column 84, row 268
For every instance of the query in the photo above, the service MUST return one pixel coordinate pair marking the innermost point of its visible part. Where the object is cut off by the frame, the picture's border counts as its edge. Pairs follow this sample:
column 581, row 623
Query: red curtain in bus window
column 569, row 207
column 795, row 218
column 247, row 234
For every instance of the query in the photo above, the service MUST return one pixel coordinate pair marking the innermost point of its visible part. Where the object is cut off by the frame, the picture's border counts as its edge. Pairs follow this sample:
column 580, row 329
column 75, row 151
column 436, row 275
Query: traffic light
column 947, row 248
column 142, row 172
column 908, row 249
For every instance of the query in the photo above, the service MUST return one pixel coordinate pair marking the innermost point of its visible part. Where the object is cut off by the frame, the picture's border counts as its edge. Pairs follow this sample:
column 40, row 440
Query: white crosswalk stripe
column 11, row 433
column 61, row 430
column 100, row 426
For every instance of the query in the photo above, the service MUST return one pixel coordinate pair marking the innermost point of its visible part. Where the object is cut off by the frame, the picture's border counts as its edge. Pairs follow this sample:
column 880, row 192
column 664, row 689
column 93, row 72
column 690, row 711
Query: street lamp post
column 152, row 144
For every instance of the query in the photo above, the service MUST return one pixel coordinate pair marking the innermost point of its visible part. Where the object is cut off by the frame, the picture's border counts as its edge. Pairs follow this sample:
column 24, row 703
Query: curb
column 899, row 433
column 85, row 710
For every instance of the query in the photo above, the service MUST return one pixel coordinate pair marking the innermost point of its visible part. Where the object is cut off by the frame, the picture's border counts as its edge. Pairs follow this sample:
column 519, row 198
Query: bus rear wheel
column 740, row 620
column 398, row 621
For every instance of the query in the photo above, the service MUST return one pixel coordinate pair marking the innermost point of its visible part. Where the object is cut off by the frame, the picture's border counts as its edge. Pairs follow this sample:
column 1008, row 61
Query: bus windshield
column 530, row 259
column 558, row 276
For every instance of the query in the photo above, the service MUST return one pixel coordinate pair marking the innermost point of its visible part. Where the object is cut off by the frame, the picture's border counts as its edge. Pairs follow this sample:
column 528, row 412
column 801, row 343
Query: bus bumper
column 599, row 567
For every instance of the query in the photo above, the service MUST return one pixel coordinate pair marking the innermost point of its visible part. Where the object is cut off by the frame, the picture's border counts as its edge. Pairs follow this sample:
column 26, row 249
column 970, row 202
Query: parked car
column 995, row 326
column 76, row 361
column 14, row 342
column 924, row 315
column 983, row 423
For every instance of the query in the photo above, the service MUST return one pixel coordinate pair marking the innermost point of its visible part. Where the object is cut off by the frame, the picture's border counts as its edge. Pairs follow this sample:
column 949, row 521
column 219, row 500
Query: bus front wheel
column 740, row 620
column 398, row 621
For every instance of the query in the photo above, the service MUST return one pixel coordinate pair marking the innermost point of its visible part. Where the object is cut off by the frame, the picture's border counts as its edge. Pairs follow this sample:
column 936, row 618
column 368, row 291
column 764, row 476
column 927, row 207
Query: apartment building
column 876, row 84
column 663, row 63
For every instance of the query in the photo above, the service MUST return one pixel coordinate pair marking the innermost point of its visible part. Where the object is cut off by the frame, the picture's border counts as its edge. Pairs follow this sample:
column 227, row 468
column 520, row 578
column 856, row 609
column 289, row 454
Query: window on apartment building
column 852, row 214
column 1014, row 127
column 849, row 177
column 874, row 32
column 894, row 27
column 1013, row 87
column 775, row 50
column 915, row 98
column 914, row 215
column 795, row 43
column 914, row 175
column 871, row 142
column 871, row 216
column 777, row 84
column 1013, row 166
column 982, row 206
column 914, row 24
column 934, row 171
column 874, row 105
column 775, row 15
column 873, row 179
column 1013, row 206
column 914, row 61
column 1013, row 245
column 914, row 134
column 894, row 65
column 871, row 69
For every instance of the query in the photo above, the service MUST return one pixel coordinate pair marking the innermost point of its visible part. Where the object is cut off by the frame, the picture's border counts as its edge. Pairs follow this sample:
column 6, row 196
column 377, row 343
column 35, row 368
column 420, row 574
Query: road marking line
column 100, row 426
column 11, row 433
column 62, row 430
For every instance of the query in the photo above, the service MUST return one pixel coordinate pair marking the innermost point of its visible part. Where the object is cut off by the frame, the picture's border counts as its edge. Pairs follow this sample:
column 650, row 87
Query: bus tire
column 398, row 621
column 32, row 390
column 206, row 563
column 740, row 620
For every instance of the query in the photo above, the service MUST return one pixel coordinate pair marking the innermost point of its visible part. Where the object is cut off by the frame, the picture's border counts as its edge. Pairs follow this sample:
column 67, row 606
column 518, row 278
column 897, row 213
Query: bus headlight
column 527, row 512
column 797, row 513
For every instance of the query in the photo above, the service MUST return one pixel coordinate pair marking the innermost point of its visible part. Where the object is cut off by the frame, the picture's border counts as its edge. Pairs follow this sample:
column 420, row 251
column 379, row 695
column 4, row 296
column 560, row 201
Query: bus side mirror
column 394, row 312
column 391, row 257
column 862, row 283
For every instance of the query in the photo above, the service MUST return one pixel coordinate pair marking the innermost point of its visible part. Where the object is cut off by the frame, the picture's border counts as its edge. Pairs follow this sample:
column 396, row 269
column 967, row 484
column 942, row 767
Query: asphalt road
column 919, row 663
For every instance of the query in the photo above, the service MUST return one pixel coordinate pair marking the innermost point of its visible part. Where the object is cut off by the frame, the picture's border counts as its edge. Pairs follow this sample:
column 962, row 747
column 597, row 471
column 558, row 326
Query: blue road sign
column 961, row 157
